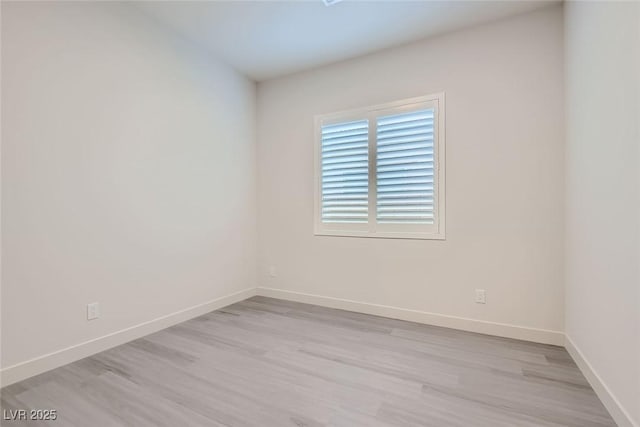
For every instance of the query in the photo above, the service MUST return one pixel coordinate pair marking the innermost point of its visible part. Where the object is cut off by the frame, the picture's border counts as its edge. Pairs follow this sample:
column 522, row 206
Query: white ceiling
column 266, row 39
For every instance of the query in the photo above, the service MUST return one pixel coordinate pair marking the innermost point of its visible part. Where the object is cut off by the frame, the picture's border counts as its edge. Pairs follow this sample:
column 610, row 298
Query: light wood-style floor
column 267, row 362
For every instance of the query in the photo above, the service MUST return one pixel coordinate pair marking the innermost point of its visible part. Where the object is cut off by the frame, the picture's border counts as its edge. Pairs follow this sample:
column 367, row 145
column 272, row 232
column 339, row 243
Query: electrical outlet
column 93, row 311
column 272, row 271
column 481, row 297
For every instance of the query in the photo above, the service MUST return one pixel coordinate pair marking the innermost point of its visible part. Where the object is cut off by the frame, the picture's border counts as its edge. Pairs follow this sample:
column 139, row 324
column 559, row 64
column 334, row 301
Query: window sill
column 381, row 235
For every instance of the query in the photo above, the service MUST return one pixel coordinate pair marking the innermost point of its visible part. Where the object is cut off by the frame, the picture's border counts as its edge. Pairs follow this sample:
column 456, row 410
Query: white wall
column 603, row 197
column 505, row 177
column 128, row 175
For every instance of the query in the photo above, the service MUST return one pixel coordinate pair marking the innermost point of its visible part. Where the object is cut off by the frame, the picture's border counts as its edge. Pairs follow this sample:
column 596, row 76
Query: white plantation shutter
column 380, row 171
column 345, row 172
column 405, row 168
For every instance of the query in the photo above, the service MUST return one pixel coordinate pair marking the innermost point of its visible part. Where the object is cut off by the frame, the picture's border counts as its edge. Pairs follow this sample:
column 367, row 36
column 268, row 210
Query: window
column 380, row 171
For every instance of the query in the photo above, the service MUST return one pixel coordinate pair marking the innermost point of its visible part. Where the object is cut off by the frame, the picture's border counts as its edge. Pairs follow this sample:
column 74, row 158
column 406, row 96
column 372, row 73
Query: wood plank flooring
column 267, row 362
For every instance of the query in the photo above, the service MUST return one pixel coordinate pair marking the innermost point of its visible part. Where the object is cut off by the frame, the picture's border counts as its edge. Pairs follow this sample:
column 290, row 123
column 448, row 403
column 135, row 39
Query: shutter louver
column 345, row 172
column 405, row 168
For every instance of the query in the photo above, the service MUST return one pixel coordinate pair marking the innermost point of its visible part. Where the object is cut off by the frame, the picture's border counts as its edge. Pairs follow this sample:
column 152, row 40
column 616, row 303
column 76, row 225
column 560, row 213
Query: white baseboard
column 472, row 325
column 616, row 410
column 38, row 365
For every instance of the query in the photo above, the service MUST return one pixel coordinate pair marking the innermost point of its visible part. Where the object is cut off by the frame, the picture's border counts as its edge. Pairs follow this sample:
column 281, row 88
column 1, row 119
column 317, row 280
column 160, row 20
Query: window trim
column 371, row 228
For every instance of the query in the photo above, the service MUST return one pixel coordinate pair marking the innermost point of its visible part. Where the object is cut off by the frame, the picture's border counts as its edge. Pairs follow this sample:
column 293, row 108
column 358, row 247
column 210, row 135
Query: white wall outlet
column 93, row 311
column 272, row 271
column 481, row 297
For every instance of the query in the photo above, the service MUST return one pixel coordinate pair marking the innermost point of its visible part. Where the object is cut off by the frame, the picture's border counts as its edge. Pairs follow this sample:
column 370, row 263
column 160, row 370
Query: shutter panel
column 405, row 168
column 345, row 172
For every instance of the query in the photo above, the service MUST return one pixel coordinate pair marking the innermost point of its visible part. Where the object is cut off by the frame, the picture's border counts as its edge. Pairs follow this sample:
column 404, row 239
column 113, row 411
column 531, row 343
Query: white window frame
column 435, row 231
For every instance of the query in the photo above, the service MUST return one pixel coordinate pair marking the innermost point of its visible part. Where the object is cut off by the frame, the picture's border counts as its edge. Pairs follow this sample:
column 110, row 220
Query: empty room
column 320, row 213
